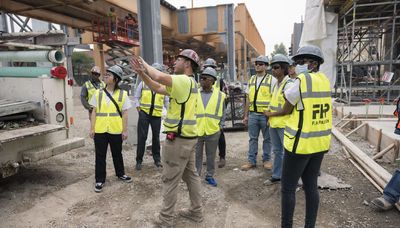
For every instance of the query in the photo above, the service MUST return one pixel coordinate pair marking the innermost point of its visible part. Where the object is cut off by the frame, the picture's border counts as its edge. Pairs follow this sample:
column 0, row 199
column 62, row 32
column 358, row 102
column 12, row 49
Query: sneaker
column 221, row 163
column 138, row 166
column 98, row 187
column 382, row 204
column 272, row 181
column 125, row 178
column 267, row 165
column 186, row 213
column 158, row 164
column 247, row 166
column 211, row 181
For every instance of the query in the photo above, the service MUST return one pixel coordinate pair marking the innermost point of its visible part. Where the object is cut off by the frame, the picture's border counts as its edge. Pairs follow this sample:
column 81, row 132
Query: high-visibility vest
column 209, row 118
column 181, row 117
column 217, row 83
column 308, row 131
column 276, row 104
column 91, row 88
column 107, row 117
column 151, row 103
column 261, row 96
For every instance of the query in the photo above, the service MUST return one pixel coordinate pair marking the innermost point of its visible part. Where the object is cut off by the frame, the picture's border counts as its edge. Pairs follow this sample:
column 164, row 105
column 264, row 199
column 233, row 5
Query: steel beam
column 150, row 31
column 230, row 42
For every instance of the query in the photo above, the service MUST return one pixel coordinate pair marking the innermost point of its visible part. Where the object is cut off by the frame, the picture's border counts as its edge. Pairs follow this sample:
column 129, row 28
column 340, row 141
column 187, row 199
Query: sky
column 274, row 18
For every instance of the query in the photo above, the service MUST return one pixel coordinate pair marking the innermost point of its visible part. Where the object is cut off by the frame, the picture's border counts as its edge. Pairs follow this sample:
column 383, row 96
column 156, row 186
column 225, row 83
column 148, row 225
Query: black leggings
column 307, row 167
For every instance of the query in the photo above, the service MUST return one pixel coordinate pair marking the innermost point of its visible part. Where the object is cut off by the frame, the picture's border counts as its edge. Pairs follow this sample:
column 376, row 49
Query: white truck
column 37, row 103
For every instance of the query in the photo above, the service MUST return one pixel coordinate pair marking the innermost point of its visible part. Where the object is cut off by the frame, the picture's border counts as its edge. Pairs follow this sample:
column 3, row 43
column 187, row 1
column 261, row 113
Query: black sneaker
column 98, row 187
column 125, row 178
column 272, row 181
column 138, row 166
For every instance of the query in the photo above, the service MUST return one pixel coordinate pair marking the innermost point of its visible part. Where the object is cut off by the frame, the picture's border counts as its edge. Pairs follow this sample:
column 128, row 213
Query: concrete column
column 150, row 31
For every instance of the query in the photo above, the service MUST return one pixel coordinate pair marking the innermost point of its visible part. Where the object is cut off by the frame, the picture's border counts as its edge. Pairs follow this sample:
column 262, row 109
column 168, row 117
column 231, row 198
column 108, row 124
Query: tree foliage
column 279, row 49
column 81, row 63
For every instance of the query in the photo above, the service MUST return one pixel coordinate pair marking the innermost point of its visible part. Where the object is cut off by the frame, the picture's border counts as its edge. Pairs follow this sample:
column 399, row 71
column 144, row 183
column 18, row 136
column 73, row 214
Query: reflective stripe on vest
column 308, row 131
column 107, row 117
column 151, row 103
column 189, row 123
column 91, row 88
column 276, row 104
column 262, row 96
column 209, row 117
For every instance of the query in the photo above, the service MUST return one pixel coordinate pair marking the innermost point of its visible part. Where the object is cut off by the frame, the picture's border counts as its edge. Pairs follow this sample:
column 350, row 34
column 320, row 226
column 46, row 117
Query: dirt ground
column 58, row 192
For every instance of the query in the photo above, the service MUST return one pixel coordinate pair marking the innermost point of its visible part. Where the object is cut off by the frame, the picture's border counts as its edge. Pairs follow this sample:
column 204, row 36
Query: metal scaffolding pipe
column 54, row 56
column 25, row 72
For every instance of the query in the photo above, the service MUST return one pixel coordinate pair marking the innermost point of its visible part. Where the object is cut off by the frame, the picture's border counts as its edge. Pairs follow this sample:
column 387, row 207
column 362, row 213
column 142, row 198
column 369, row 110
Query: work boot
column 221, row 163
column 382, row 204
column 138, row 166
column 186, row 213
column 247, row 166
column 160, row 223
column 267, row 165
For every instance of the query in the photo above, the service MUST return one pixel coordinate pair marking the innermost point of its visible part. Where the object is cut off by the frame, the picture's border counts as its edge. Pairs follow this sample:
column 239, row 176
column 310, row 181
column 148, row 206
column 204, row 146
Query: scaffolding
column 368, row 50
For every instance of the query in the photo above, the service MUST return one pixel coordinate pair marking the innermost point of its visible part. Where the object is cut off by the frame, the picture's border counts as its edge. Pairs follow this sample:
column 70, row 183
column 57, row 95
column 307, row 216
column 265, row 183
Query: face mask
column 301, row 68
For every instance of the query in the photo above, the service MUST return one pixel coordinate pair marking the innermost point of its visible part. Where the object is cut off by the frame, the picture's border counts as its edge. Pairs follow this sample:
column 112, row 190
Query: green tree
column 81, row 62
column 279, row 49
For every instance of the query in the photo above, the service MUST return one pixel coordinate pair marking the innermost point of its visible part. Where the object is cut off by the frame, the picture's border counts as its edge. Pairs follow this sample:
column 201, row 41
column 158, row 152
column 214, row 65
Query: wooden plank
column 30, row 131
column 355, row 129
column 384, row 151
column 361, row 157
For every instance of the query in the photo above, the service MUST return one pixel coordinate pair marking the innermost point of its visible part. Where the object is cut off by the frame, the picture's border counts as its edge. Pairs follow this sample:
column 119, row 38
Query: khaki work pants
column 178, row 161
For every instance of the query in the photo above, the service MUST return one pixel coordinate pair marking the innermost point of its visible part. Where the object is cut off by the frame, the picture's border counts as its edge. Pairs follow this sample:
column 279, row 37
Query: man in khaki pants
column 178, row 156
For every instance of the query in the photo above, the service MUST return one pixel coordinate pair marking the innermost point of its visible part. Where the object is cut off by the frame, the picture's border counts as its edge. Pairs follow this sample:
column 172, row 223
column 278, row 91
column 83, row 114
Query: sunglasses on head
column 259, row 64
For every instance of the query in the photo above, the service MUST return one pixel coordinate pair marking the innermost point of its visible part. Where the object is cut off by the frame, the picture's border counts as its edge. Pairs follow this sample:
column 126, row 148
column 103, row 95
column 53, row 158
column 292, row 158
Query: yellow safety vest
column 107, row 117
column 308, row 131
column 151, row 103
column 217, row 83
column 91, row 88
column 209, row 118
column 181, row 117
column 259, row 98
column 276, row 104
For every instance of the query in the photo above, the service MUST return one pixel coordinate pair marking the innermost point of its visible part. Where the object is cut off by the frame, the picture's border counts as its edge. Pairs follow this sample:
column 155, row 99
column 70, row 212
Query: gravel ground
column 58, row 192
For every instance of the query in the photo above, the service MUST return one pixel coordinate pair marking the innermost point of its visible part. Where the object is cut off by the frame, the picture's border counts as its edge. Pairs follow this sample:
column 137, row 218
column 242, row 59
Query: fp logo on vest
column 319, row 111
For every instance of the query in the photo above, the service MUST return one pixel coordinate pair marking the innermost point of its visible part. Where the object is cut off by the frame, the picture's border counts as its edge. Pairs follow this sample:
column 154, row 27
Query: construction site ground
column 58, row 192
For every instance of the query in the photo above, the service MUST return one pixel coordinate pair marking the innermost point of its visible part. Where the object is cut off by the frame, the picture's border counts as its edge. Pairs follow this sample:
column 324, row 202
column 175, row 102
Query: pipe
column 54, row 56
column 29, row 72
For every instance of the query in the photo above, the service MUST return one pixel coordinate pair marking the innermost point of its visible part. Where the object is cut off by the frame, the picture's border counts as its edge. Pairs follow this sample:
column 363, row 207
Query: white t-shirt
column 258, row 82
column 125, row 106
column 292, row 94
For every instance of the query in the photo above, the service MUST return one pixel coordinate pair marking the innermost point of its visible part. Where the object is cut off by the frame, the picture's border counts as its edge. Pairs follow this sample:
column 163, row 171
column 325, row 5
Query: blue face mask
column 301, row 68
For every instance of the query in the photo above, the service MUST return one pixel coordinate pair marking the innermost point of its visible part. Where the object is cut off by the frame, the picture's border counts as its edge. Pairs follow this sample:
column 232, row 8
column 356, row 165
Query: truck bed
column 30, row 131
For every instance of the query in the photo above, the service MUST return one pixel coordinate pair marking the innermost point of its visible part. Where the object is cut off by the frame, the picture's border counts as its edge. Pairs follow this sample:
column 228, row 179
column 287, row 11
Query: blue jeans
column 258, row 123
column 277, row 148
column 392, row 190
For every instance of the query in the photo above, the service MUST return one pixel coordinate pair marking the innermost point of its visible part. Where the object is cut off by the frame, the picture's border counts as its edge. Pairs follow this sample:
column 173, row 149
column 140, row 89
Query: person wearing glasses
column 210, row 112
column 178, row 157
column 89, row 88
column 277, row 123
column 220, row 85
column 307, row 135
column 259, row 93
column 109, row 126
